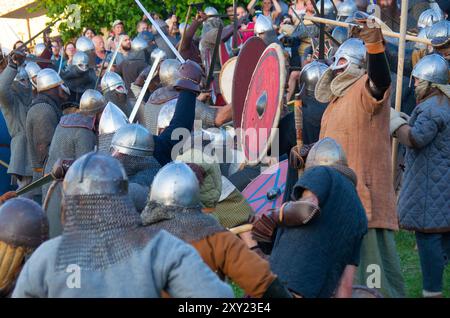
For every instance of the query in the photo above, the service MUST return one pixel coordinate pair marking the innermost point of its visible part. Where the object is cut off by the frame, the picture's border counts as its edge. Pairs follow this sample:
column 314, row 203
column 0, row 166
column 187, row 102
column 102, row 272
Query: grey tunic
column 42, row 119
column 73, row 138
column 148, row 114
column 165, row 263
column 14, row 103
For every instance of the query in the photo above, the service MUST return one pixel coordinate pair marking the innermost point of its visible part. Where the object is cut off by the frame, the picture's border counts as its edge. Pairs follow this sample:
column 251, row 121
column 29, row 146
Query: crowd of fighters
column 114, row 211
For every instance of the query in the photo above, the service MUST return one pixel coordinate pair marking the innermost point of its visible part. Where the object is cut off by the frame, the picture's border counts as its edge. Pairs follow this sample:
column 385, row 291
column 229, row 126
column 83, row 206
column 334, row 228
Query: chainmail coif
column 188, row 224
column 99, row 231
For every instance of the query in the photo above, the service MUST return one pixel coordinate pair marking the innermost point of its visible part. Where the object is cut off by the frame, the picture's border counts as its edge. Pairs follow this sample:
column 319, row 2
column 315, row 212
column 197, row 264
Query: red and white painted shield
column 226, row 48
column 248, row 57
column 267, row 190
column 263, row 104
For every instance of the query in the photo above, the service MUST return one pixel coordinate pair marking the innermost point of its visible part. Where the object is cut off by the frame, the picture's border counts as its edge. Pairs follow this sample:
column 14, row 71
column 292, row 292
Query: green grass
column 410, row 265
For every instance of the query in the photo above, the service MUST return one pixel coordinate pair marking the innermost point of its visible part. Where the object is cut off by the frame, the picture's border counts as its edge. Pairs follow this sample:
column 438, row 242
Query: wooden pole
column 241, row 229
column 185, row 27
column 346, row 25
column 401, row 62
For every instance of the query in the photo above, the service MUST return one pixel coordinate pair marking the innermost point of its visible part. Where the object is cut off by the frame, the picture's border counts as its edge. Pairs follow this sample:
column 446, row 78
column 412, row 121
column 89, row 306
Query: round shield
column 245, row 65
column 226, row 79
column 263, row 104
column 266, row 191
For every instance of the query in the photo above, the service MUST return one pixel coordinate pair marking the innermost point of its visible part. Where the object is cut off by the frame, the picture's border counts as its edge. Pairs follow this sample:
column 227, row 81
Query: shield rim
column 282, row 65
column 237, row 119
column 232, row 60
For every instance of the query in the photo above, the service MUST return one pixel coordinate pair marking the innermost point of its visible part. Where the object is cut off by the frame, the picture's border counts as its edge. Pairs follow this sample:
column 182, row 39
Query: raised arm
column 251, row 6
column 277, row 10
column 189, row 85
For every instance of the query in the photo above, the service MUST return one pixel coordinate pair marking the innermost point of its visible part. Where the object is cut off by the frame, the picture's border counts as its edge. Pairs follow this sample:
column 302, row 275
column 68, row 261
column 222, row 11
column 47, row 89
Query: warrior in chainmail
column 133, row 146
column 79, row 77
column 75, row 135
column 112, row 119
column 105, row 243
column 114, row 89
column 43, row 117
column 23, row 227
column 167, row 95
column 174, row 205
column 15, row 100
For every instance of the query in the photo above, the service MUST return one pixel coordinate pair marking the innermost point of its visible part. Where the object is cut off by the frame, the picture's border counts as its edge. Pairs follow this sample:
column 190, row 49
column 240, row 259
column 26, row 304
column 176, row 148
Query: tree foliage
column 98, row 14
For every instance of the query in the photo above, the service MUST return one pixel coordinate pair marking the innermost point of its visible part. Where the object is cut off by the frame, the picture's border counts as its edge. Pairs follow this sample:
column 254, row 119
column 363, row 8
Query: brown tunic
column 225, row 253
column 360, row 124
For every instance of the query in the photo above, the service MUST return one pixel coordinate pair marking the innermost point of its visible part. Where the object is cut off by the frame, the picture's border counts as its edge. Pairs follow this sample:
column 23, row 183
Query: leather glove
column 264, row 226
column 6, row 196
column 190, row 77
column 296, row 213
column 297, row 158
column 397, row 119
column 17, row 58
column 370, row 33
column 60, row 168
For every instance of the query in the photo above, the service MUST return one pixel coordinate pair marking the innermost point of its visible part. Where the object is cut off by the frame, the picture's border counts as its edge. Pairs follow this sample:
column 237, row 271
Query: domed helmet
column 23, row 227
column 429, row 17
column 84, row 44
column 340, row 34
column 133, row 140
column 432, row 68
column 113, row 82
column 95, row 173
column 346, row 9
column 139, row 44
column 310, row 75
column 353, row 51
column 168, row 72
column 176, row 185
column 32, row 70
column 48, row 79
column 158, row 53
column 81, row 61
column 211, row 11
column 92, row 102
column 439, row 33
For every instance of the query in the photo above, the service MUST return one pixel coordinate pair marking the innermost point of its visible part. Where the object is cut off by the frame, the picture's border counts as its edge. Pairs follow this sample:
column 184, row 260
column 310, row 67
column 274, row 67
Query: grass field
column 410, row 265
column 409, row 258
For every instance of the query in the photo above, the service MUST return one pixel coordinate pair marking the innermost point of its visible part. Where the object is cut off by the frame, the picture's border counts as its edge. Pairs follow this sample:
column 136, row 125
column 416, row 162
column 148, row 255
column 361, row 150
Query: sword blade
column 4, row 164
column 36, row 184
column 114, row 55
column 174, row 50
column 150, row 76
column 214, row 57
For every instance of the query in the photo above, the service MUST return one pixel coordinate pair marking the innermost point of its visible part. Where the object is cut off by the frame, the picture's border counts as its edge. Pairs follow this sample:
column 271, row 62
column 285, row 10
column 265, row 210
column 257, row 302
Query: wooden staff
column 347, row 25
column 185, row 27
column 298, row 115
column 241, row 229
column 401, row 62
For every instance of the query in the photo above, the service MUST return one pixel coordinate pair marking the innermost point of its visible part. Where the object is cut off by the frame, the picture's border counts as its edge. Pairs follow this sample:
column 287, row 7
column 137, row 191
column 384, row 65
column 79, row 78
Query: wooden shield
column 267, row 190
column 263, row 104
column 226, row 79
column 245, row 65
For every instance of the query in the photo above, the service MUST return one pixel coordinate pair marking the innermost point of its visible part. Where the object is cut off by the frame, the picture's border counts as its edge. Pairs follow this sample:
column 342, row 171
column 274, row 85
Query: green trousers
column 379, row 265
